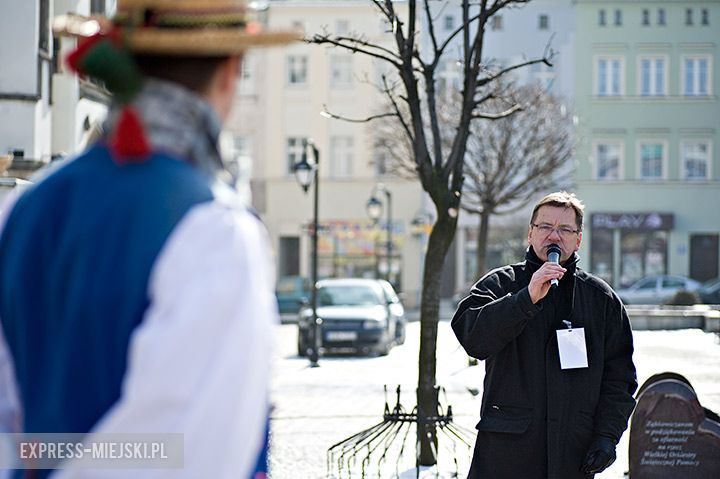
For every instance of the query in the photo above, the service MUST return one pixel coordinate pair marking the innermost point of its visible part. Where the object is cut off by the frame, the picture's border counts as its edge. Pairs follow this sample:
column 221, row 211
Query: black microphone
column 553, row 254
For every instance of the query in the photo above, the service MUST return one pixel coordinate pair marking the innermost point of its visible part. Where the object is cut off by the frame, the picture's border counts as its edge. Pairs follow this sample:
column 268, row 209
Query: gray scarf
column 177, row 122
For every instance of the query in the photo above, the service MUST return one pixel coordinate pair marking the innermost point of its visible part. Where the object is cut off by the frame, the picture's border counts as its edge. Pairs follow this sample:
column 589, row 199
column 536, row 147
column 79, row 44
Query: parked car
column 656, row 289
column 290, row 292
column 362, row 315
column 709, row 292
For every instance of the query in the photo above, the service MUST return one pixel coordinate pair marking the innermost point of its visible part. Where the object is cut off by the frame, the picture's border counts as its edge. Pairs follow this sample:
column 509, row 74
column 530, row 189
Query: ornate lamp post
column 307, row 174
column 374, row 209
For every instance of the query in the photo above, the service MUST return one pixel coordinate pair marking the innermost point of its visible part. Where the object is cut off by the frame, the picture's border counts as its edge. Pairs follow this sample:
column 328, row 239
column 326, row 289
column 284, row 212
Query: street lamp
column 374, row 209
column 307, row 174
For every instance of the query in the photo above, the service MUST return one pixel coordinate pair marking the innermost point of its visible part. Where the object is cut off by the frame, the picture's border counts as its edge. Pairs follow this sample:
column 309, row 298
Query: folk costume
column 136, row 291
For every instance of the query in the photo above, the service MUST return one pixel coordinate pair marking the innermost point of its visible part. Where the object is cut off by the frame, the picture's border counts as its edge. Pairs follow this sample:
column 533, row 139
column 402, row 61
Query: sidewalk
column 318, row 407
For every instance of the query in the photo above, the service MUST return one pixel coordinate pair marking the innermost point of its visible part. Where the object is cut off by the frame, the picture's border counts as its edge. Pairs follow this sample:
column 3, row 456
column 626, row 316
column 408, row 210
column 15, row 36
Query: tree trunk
column 482, row 240
column 440, row 239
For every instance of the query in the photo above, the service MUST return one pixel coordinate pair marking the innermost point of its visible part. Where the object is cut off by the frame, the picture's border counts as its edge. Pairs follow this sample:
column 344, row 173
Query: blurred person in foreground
column 136, row 291
column 559, row 381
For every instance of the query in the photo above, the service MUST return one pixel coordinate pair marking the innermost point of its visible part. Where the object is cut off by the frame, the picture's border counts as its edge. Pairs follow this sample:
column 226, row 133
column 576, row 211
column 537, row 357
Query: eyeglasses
column 546, row 229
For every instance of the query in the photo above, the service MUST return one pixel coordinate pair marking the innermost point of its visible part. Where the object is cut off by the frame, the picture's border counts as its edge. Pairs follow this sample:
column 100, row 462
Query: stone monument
column 671, row 435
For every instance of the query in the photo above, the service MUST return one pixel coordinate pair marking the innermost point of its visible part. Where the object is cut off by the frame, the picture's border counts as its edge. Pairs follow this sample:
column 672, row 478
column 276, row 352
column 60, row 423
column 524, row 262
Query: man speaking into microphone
column 557, row 346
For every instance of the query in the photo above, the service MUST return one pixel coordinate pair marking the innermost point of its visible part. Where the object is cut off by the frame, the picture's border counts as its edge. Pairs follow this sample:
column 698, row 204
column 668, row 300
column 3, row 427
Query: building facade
column 293, row 85
column 46, row 111
column 647, row 163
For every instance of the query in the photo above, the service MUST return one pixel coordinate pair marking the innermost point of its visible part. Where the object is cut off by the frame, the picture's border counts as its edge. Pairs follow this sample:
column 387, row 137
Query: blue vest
column 75, row 257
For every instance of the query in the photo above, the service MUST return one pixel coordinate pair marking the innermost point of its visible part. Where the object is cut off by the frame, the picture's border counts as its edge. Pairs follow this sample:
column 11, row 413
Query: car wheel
column 302, row 346
column 400, row 333
column 383, row 349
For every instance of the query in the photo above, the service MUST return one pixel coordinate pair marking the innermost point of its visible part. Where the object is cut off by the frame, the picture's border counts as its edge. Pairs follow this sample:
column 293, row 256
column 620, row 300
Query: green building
column 648, row 154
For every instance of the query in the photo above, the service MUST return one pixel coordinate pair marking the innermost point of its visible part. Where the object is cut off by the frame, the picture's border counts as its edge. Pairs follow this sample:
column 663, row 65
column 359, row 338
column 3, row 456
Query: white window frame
column 342, row 156
column 639, row 161
column 596, row 72
column 621, row 158
column 683, row 171
column 448, row 23
column 653, row 77
column 696, row 86
column 290, row 66
column 341, row 71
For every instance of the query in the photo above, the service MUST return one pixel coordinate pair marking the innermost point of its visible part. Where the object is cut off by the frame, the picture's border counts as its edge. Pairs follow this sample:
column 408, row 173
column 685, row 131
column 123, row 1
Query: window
column 688, row 16
column 647, row 283
column 652, row 76
column 695, row 159
column 609, row 76
column 652, row 159
column 543, row 22
column 618, row 18
column 608, row 160
column 642, row 254
column 704, row 17
column 496, row 22
column 288, row 263
column 601, row 253
column 44, row 26
column 661, row 16
column 247, row 75
column 645, row 17
column 449, row 22
column 97, row 7
column 341, row 156
column 601, row 18
column 380, row 160
column 295, row 146
column 696, row 73
column 296, row 69
column 341, row 71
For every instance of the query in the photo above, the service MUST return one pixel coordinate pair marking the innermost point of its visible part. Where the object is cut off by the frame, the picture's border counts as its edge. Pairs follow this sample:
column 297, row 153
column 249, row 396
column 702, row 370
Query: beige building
column 282, row 94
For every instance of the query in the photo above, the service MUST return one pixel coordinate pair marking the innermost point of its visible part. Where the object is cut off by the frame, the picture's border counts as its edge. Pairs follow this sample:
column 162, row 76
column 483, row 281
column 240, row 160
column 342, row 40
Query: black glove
column 599, row 457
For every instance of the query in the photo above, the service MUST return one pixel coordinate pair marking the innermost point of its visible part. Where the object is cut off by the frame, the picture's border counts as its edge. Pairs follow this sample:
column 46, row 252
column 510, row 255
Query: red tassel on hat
column 128, row 141
column 75, row 57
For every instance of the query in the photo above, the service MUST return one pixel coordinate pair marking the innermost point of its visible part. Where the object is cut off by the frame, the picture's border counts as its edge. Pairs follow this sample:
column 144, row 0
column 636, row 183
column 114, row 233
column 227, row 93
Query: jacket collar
column 535, row 262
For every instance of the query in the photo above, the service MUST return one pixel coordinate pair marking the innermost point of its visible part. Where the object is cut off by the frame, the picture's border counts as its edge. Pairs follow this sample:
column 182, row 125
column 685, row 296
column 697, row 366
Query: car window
column 287, row 285
column 647, row 283
column 673, row 283
column 348, row 296
column 389, row 292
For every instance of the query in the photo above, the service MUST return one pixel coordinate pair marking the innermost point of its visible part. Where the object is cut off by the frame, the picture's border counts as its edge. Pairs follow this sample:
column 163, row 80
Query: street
column 315, row 408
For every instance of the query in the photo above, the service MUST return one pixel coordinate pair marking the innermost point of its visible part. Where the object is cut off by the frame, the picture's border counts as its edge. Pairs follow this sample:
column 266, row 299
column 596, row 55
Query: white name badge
column 573, row 352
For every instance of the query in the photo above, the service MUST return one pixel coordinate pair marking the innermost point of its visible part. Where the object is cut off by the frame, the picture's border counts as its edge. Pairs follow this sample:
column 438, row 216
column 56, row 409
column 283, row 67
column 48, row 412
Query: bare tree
column 510, row 160
column 411, row 91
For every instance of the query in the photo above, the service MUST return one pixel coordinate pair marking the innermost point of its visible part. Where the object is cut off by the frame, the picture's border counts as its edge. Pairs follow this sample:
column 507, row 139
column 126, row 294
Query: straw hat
column 179, row 27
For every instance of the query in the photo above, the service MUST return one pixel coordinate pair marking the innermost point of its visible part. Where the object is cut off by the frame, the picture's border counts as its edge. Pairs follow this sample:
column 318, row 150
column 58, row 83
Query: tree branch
column 497, row 116
column 327, row 114
column 325, row 39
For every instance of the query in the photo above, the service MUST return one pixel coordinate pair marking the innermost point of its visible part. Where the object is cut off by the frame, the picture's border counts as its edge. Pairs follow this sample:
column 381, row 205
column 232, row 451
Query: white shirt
column 199, row 362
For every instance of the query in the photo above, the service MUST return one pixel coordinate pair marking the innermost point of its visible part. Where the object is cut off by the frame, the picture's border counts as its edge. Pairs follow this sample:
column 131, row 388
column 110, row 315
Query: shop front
column 625, row 247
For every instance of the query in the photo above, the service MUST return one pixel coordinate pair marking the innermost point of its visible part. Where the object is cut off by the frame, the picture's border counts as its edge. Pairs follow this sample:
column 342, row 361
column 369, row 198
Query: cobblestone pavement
column 315, row 408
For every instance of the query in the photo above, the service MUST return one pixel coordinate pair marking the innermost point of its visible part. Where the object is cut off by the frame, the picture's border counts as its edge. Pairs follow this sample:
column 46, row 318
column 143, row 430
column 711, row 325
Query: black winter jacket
column 537, row 420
